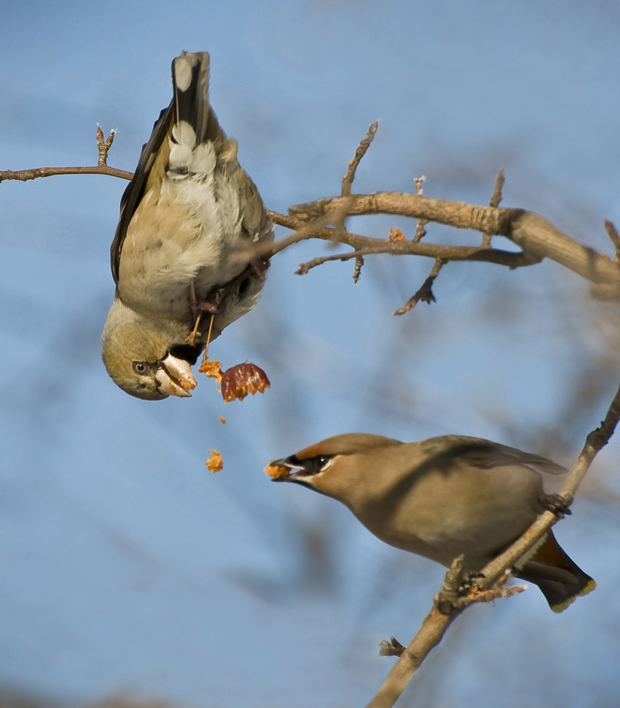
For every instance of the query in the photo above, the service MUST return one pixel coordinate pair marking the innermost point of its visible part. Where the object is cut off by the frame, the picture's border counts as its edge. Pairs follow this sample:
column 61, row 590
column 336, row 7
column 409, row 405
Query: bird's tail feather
column 559, row 578
column 195, row 122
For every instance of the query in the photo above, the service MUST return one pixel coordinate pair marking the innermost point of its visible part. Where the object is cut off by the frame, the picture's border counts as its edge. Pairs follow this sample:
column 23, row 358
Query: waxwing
column 444, row 497
column 185, row 246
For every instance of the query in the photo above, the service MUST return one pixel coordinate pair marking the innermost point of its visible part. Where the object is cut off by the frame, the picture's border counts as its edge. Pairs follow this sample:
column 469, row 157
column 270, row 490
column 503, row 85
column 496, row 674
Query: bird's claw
column 469, row 581
column 556, row 504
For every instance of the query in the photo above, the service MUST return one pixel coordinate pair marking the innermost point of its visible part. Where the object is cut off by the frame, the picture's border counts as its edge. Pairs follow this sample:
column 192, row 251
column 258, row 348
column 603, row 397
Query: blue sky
column 128, row 567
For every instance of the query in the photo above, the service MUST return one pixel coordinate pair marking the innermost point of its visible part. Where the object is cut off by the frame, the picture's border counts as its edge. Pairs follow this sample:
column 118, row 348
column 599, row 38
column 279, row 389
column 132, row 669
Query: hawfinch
column 443, row 497
column 185, row 245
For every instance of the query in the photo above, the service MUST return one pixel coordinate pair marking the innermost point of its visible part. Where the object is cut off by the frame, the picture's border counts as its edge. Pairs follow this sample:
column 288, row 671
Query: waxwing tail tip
column 558, row 607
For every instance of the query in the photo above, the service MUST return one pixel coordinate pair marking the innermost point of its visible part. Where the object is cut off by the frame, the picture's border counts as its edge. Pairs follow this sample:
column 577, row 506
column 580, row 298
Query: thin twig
column 359, row 262
column 614, row 238
column 425, row 293
column 305, row 267
column 347, row 180
column 104, row 145
column 339, row 215
column 420, row 230
column 25, row 175
column 496, row 198
column 436, row 623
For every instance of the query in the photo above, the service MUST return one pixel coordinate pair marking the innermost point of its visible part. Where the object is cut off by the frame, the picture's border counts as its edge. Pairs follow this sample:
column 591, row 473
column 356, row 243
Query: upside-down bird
column 444, row 497
column 186, row 256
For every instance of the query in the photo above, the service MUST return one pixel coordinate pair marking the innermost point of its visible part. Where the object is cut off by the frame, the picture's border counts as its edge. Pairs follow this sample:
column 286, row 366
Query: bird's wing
column 155, row 148
column 190, row 107
column 485, row 454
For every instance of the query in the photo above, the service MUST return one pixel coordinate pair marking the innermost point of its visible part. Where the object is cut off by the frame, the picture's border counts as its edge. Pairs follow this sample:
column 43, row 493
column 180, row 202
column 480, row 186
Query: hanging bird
column 441, row 498
column 184, row 257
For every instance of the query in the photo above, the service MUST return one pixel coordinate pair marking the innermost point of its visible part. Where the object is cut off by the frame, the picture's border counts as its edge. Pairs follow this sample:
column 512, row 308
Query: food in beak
column 175, row 377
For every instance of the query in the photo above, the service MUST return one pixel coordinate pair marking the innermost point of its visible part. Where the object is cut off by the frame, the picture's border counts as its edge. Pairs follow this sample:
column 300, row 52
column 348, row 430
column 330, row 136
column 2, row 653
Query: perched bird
column 441, row 498
column 184, row 256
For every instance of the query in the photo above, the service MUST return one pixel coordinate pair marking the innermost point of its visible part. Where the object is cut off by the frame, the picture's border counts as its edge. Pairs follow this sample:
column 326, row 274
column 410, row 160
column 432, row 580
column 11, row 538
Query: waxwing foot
column 556, row 504
column 470, row 581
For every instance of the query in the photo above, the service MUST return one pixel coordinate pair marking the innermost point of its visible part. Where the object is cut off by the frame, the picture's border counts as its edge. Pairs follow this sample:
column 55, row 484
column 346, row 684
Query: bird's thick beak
column 175, row 377
column 294, row 469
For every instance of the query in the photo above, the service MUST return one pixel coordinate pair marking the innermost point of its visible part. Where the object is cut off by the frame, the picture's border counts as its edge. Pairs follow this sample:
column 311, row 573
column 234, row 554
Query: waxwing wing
column 443, row 497
column 185, row 246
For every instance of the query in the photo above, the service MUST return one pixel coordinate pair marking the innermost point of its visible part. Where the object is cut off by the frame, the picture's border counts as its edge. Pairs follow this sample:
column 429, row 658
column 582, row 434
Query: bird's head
column 334, row 465
column 141, row 356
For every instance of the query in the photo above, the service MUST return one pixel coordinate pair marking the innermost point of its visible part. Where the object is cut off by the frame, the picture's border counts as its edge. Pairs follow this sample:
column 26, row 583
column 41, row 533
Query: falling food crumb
column 242, row 379
column 215, row 462
column 222, row 419
column 212, row 369
column 276, row 471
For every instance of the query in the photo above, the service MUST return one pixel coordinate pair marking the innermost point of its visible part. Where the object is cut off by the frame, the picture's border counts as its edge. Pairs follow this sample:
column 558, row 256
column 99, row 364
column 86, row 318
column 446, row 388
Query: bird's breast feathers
column 187, row 232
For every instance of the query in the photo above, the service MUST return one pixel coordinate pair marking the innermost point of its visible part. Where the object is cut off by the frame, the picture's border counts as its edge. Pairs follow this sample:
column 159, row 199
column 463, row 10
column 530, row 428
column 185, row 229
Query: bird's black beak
column 290, row 463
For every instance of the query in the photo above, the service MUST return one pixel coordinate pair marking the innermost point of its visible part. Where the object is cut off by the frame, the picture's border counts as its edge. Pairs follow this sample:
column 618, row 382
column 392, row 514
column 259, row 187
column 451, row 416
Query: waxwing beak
column 175, row 377
column 291, row 463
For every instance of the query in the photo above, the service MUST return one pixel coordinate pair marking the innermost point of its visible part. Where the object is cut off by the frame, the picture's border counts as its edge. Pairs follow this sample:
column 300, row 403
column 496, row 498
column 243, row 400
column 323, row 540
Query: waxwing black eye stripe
column 312, row 465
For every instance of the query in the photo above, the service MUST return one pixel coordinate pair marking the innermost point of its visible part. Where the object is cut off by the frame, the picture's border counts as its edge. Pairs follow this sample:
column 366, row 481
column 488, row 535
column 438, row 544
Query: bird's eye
column 322, row 461
column 139, row 367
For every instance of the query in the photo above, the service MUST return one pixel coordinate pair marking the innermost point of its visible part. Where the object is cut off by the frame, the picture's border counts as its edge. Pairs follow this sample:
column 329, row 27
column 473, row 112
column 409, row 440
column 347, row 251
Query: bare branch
column 25, row 175
column 305, row 267
column 536, row 236
column 396, row 248
column 341, row 212
column 103, row 147
column 425, row 293
column 347, row 180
